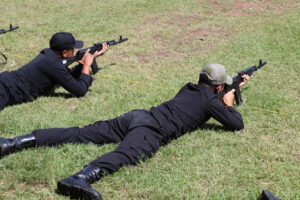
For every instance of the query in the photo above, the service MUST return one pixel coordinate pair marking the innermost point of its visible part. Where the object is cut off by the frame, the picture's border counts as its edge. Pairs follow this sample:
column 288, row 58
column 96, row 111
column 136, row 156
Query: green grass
column 165, row 51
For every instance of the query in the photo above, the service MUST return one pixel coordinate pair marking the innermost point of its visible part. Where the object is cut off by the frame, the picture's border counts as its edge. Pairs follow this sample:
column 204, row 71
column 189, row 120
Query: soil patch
column 240, row 8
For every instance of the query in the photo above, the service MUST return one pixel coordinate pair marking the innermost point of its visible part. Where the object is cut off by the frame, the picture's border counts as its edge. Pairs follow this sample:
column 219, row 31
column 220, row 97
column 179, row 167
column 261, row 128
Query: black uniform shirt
column 190, row 108
column 41, row 75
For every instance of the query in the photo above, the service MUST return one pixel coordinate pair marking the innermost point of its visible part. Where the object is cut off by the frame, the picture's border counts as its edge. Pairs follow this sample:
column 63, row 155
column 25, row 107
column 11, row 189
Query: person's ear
column 64, row 53
column 219, row 88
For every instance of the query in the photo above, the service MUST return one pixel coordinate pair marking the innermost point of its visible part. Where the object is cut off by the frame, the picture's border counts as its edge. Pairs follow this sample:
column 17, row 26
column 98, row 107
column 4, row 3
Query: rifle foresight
column 252, row 69
column 11, row 28
column 113, row 42
column 261, row 63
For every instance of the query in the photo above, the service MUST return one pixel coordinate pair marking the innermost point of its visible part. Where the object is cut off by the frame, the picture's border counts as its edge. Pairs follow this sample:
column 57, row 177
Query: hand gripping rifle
column 93, row 49
column 237, row 80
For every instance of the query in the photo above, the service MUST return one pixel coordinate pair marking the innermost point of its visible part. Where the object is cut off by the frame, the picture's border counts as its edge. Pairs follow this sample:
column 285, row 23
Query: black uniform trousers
column 138, row 133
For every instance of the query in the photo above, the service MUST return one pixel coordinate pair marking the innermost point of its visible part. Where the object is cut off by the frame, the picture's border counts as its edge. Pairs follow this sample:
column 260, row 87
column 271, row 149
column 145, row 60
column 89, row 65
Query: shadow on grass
column 213, row 127
column 61, row 94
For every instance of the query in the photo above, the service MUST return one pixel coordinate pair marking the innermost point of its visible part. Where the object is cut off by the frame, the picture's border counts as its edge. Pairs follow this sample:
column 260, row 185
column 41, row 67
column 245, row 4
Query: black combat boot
column 8, row 146
column 78, row 185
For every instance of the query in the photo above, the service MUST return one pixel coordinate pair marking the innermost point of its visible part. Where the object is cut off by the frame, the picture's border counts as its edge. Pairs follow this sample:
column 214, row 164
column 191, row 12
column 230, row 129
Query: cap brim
column 78, row 44
column 228, row 80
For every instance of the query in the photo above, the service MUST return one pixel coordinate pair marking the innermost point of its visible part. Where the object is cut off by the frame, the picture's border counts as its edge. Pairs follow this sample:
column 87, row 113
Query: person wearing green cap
column 41, row 75
column 140, row 132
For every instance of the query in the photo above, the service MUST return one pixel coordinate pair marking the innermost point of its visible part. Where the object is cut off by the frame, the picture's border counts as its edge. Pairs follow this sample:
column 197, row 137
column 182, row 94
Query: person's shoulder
column 51, row 61
column 198, row 87
column 207, row 92
column 190, row 85
column 50, row 55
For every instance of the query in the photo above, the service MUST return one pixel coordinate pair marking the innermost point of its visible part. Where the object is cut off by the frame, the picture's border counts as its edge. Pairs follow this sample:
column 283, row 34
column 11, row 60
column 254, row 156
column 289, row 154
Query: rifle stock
column 238, row 79
column 96, row 47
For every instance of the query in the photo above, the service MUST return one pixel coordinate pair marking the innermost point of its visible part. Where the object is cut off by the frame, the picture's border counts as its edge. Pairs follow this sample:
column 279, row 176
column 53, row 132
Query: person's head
column 214, row 76
column 64, row 43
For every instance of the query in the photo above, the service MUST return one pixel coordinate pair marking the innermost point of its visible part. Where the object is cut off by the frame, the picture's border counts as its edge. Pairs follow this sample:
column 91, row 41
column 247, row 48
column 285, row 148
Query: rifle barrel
column 94, row 48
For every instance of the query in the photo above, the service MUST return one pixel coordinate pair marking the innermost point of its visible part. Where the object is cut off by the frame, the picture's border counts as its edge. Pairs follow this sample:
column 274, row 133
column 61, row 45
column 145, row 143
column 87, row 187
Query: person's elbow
column 80, row 93
column 237, row 126
column 81, row 89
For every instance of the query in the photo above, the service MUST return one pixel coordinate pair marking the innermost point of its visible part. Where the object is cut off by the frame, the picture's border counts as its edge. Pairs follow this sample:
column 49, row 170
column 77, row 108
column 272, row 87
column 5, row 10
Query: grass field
column 169, row 42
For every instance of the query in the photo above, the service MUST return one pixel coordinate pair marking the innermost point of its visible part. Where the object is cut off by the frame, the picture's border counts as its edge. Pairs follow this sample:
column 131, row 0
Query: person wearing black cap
column 43, row 73
column 140, row 132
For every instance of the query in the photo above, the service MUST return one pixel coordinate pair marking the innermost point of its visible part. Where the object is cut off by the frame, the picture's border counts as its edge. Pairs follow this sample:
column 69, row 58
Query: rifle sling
column 5, row 58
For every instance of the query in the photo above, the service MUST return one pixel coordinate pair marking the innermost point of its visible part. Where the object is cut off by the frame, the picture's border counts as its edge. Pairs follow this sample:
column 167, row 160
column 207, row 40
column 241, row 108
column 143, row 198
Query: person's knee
column 135, row 148
column 141, row 151
column 153, row 145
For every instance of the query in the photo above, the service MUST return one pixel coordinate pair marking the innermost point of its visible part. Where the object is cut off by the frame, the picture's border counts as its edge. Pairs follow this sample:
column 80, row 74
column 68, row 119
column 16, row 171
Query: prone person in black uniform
column 140, row 132
column 43, row 73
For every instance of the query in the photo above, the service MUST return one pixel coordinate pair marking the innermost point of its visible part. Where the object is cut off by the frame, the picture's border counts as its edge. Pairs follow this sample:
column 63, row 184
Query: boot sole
column 75, row 192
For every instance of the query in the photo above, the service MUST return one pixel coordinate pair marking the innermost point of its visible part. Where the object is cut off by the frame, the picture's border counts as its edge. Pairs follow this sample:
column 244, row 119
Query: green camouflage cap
column 216, row 73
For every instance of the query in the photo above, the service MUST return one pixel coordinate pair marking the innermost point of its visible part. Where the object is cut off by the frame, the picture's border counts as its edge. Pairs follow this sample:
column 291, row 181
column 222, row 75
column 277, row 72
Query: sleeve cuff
column 231, row 109
column 86, row 78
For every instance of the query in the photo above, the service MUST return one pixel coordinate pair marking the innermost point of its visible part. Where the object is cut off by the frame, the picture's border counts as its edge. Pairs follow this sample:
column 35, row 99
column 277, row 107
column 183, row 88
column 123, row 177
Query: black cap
column 64, row 41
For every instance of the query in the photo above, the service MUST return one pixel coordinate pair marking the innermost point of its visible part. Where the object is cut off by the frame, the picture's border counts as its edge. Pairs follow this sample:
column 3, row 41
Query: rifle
column 237, row 80
column 2, row 31
column 96, row 47
column 11, row 28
